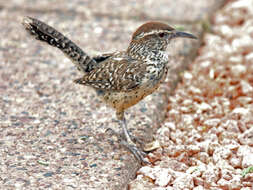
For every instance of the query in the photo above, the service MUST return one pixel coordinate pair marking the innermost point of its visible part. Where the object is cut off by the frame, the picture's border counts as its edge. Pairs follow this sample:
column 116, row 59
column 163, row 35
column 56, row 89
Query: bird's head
column 155, row 36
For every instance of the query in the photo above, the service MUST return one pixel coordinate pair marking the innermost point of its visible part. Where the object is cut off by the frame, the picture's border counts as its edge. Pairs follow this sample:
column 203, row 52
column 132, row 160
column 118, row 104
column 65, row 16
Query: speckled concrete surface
column 52, row 131
column 207, row 138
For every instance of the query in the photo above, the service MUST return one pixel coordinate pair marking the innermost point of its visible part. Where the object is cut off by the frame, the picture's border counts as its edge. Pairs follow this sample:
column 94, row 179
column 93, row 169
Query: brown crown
column 151, row 26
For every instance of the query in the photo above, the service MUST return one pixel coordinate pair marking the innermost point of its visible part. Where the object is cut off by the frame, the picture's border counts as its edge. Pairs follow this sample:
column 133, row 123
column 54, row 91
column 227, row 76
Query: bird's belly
column 123, row 100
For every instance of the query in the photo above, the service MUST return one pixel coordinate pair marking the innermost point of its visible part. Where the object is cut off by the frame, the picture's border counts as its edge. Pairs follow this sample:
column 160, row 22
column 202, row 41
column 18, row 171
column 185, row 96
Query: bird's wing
column 115, row 74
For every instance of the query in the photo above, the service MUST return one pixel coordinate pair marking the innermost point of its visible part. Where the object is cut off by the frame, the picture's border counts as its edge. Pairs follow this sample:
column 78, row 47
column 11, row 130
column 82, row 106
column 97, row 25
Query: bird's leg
column 123, row 124
column 128, row 143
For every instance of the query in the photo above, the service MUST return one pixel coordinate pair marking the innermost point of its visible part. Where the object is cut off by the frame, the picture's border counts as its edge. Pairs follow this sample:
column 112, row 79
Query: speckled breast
column 123, row 100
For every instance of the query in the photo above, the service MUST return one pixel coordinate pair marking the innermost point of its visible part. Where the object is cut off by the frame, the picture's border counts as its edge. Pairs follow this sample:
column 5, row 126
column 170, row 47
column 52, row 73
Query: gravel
column 207, row 138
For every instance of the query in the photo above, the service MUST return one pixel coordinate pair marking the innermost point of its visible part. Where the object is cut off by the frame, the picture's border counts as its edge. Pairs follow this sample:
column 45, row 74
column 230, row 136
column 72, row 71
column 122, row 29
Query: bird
column 123, row 78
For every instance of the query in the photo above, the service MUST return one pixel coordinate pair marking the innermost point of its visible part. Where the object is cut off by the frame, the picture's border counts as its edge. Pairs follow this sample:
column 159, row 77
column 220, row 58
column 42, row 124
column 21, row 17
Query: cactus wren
column 122, row 78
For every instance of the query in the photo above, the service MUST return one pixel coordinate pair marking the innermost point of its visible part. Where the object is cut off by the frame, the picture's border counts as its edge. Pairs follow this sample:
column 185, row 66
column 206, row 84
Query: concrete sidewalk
column 52, row 131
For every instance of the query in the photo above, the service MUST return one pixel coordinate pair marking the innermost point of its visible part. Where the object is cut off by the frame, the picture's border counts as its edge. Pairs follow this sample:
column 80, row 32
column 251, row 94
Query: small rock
column 235, row 162
column 225, row 30
column 246, row 153
column 247, row 137
column 240, row 110
column 203, row 107
column 249, row 57
column 203, row 157
column 212, row 122
column 170, row 125
column 183, row 181
column 247, row 160
column 193, row 149
column 221, row 153
column 246, row 87
column 238, row 69
column 163, row 178
column 235, row 182
column 194, row 170
column 147, row 171
column 198, row 188
column 198, row 181
column 152, row 145
column 211, row 174
column 224, row 183
column 187, row 75
column 226, row 174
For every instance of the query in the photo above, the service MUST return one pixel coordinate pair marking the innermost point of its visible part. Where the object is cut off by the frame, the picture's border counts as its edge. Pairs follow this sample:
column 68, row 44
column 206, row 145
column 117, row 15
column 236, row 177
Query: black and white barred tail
column 48, row 34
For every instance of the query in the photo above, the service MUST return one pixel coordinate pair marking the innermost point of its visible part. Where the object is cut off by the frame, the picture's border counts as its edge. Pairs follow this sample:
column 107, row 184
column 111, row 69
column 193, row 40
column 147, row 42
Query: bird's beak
column 184, row 35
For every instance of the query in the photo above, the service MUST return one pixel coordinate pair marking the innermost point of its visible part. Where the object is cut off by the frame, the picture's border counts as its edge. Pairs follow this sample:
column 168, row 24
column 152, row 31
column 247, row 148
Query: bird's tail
column 48, row 34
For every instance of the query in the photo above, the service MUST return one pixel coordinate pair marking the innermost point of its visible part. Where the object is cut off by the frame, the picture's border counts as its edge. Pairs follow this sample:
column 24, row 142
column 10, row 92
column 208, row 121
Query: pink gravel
column 207, row 138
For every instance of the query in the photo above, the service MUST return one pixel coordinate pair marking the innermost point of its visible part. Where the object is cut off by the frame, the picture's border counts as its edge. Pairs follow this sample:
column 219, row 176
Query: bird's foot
column 138, row 154
column 130, row 145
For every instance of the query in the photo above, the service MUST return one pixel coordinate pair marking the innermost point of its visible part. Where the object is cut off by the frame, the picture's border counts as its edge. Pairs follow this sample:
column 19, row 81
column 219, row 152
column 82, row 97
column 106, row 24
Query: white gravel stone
column 246, row 87
column 224, row 183
column 231, row 126
column 195, row 90
column 221, row 153
column 163, row 178
column 241, row 42
column 184, row 181
column 187, row 102
column 198, row 188
column 206, row 63
column 204, row 107
column 210, row 175
column 235, row 182
column 160, row 188
column 246, row 137
column 195, row 171
column 193, row 149
column 238, row 69
column 187, row 119
column 247, row 160
column 240, row 110
column 163, row 130
column 242, row 4
column 170, row 125
column 187, row 75
column 246, row 152
column 226, row 30
column 211, row 74
column 147, row 171
column 212, row 122
column 163, row 188
column 235, row 162
column 249, row 57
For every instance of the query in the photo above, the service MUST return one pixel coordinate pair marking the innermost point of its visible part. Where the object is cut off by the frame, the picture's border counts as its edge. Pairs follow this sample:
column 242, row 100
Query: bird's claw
column 138, row 154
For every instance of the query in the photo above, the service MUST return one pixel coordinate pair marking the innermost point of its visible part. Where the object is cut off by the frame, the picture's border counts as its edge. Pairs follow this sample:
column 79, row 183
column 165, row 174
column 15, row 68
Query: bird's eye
column 162, row 34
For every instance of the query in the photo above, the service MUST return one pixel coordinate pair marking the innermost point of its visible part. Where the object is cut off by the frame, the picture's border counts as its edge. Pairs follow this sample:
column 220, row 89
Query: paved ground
column 52, row 131
column 207, row 138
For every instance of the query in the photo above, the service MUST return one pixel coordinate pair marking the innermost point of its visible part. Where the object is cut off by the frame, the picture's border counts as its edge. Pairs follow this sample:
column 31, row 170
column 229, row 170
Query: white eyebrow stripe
column 152, row 32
